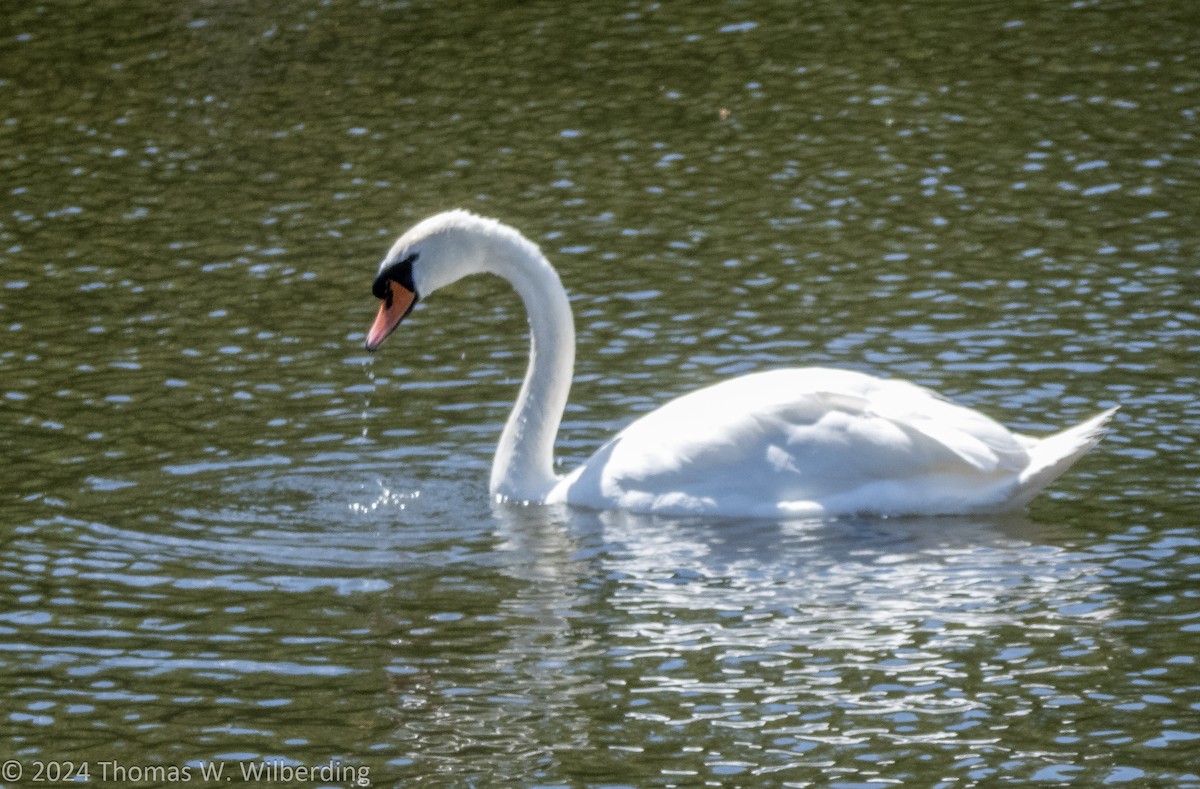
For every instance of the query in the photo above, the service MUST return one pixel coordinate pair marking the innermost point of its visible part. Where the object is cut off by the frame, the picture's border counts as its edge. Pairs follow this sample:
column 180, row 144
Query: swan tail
column 1053, row 455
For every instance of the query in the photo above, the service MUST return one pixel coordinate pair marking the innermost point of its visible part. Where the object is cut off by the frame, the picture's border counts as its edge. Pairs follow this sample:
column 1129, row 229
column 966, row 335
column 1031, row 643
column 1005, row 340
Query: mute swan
column 784, row 443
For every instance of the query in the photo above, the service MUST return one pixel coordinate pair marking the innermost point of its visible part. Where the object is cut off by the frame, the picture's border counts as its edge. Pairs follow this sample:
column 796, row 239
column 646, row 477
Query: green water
column 232, row 538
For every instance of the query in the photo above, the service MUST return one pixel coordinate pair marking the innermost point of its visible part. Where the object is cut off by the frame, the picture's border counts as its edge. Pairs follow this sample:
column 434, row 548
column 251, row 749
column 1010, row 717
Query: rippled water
column 230, row 536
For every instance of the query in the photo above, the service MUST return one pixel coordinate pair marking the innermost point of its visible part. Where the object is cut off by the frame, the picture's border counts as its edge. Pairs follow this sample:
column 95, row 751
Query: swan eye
column 397, row 272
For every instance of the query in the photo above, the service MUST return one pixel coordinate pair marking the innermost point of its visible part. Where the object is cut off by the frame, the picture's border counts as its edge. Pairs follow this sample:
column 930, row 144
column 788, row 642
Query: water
column 231, row 537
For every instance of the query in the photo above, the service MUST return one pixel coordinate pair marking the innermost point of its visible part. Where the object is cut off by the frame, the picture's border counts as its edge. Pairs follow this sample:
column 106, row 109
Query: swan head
column 440, row 250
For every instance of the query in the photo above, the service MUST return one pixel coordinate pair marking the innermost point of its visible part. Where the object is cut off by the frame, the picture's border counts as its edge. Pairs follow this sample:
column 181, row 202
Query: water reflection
column 791, row 629
column 934, row 564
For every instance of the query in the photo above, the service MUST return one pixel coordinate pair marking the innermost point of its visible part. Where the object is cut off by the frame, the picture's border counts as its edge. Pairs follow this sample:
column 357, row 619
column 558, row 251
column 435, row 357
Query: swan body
column 799, row 442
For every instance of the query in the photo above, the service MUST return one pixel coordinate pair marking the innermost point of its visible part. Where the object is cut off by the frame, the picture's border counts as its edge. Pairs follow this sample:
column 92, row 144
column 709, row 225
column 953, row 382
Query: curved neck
column 523, row 468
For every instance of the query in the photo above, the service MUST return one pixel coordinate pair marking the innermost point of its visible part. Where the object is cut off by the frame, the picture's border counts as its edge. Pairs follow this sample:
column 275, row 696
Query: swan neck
column 523, row 468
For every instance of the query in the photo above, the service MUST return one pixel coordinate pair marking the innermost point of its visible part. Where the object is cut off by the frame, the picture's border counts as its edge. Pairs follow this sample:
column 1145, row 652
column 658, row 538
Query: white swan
column 784, row 443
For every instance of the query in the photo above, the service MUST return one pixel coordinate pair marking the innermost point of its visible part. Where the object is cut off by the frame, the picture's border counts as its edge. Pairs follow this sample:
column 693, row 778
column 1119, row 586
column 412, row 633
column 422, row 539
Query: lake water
column 233, row 539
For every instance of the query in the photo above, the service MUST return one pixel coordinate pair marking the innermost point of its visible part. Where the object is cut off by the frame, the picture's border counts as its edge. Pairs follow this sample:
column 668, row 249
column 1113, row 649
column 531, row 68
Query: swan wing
column 803, row 441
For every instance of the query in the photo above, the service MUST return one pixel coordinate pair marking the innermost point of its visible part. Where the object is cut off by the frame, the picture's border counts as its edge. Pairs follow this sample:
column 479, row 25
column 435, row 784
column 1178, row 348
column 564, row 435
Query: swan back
column 811, row 442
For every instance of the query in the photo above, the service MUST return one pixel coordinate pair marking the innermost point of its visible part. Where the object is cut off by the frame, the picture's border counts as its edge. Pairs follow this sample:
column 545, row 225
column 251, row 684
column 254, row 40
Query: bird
column 808, row 442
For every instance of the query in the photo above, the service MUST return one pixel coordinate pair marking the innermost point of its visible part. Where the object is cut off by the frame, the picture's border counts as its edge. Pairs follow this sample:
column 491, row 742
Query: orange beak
column 396, row 305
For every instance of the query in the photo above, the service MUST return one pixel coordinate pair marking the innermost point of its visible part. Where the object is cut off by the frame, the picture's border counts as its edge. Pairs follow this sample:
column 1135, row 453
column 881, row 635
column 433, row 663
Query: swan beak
column 396, row 305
